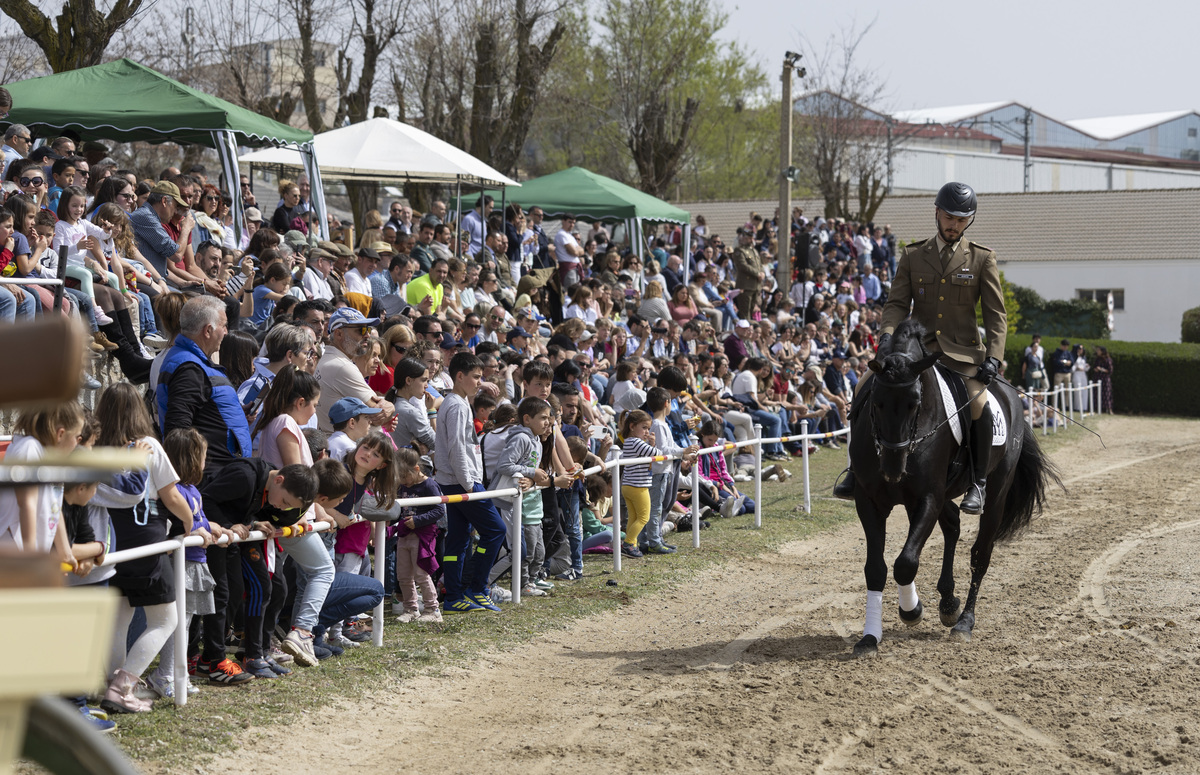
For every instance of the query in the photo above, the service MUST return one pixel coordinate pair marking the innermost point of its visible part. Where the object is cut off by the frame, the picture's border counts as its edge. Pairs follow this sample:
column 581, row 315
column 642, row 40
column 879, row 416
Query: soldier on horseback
column 942, row 279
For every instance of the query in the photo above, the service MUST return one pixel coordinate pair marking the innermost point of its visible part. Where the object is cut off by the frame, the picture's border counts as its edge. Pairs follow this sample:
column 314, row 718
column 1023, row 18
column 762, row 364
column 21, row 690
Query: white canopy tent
column 381, row 149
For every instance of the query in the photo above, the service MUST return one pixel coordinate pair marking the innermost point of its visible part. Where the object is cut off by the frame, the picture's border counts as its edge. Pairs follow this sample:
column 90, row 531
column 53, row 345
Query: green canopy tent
column 126, row 101
column 594, row 197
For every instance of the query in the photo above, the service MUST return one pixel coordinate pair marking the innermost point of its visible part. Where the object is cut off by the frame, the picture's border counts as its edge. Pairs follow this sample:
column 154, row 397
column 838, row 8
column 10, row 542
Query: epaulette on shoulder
column 982, row 247
column 917, row 244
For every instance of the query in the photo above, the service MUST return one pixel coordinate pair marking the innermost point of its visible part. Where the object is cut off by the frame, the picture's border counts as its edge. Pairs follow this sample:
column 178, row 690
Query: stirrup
column 843, row 488
column 972, row 505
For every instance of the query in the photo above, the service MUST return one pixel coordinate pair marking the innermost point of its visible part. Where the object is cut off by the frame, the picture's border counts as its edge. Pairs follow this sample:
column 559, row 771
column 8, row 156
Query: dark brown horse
column 903, row 451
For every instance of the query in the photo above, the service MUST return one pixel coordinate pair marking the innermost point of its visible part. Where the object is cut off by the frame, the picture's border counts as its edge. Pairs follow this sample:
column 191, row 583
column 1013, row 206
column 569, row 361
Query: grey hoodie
column 519, row 457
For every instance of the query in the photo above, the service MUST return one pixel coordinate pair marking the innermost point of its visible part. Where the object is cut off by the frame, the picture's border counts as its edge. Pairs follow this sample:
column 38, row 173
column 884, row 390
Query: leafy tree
column 1012, row 306
column 662, row 74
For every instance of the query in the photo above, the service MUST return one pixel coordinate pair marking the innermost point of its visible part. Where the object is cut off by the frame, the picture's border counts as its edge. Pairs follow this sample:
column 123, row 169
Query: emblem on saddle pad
column 960, row 428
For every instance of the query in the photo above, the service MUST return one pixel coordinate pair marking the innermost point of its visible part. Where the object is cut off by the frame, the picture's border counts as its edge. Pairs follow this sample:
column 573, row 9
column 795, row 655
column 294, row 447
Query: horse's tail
column 1027, row 495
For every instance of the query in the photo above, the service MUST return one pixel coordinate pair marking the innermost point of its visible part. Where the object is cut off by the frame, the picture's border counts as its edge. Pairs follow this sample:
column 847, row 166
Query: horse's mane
column 909, row 338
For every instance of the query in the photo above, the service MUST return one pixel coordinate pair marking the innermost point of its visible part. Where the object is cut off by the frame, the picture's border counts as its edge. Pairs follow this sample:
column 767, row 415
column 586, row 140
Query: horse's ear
column 874, row 365
column 926, row 362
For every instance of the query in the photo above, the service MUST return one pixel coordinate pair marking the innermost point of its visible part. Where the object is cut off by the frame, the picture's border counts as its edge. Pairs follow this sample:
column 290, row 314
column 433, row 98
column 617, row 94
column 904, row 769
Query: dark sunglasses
column 471, row 326
column 32, row 181
column 399, row 348
column 211, row 198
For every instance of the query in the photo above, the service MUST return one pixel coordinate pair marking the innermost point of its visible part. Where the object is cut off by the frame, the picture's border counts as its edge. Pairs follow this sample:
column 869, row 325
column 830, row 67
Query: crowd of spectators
column 275, row 380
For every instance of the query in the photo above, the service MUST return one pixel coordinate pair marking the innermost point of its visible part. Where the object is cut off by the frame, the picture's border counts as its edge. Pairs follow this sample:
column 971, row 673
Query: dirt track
column 1084, row 658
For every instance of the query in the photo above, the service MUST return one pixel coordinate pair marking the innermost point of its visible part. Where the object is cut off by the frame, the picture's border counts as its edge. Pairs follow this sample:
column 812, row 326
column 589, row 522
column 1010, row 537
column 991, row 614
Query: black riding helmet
column 957, row 199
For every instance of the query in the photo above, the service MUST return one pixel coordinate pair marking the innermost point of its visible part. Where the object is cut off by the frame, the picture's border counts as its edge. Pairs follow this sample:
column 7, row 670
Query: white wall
column 926, row 169
column 1156, row 292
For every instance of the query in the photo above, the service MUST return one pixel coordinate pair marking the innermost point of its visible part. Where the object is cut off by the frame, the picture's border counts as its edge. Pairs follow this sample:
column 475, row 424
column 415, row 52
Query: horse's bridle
column 898, row 446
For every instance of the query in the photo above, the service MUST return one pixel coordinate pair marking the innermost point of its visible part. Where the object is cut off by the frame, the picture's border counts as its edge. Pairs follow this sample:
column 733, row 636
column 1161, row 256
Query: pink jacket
column 713, row 468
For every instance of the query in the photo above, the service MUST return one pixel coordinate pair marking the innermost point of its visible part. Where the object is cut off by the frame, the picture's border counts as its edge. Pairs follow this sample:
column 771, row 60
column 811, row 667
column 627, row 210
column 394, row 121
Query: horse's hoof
column 949, row 610
column 867, row 647
column 962, row 633
column 913, row 618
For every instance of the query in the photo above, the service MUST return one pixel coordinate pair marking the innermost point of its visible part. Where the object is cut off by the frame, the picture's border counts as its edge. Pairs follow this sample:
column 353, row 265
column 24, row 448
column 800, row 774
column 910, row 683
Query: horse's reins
column 911, row 443
column 1051, row 408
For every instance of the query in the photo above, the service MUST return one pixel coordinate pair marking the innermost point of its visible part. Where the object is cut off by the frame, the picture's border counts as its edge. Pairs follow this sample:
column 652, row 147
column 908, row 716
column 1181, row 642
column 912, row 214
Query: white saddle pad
column 999, row 422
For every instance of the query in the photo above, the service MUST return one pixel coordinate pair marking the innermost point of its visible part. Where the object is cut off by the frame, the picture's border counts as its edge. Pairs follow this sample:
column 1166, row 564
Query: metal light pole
column 787, row 174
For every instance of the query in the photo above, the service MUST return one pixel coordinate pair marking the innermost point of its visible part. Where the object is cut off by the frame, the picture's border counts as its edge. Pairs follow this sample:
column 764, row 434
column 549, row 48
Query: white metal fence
column 177, row 546
column 1059, row 398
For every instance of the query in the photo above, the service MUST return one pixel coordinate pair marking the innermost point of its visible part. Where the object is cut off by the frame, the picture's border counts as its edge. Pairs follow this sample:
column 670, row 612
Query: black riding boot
column 981, row 451
column 844, row 489
column 135, row 368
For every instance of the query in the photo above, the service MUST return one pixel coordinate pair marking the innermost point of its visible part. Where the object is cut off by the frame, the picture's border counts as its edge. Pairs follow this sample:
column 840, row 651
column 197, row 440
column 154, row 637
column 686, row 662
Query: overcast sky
column 1065, row 58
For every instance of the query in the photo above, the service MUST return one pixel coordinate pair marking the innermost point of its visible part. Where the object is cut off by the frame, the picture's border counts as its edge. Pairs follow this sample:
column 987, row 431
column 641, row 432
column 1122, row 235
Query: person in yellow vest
column 942, row 279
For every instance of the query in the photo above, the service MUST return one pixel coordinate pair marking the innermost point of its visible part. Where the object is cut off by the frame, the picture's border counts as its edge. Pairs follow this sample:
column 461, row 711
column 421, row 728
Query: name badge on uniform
column 965, row 276
column 920, row 291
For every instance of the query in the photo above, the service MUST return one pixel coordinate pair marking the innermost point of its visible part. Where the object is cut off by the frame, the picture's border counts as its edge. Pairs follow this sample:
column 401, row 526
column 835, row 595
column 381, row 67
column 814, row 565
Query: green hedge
column 1072, row 318
column 1148, row 377
column 1191, row 325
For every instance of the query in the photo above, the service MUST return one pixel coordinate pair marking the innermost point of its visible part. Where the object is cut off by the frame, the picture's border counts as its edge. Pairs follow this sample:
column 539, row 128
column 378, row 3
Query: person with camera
column 942, row 279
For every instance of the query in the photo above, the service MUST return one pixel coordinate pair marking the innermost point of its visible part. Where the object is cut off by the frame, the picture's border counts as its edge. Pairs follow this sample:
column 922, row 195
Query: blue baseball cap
column 349, row 316
column 514, row 332
column 348, row 408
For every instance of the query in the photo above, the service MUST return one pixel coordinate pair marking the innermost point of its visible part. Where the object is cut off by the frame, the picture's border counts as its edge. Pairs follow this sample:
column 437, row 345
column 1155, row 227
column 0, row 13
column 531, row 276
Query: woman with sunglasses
column 206, row 212
column 31, row 179
column 396, row 342
column 115, row 190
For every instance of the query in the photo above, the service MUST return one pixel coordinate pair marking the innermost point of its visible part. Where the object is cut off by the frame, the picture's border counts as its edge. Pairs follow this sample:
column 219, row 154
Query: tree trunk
column 83, row 31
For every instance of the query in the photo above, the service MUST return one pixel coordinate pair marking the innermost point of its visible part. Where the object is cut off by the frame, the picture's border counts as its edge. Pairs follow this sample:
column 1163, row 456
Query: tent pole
column 687, row 252
column 458, row 217
column 226, row 148
column 308, row 155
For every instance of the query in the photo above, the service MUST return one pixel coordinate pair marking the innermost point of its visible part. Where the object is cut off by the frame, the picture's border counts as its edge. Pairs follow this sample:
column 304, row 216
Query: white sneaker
column 101, row 318
column 668, row 527
column 156, row 341
column 434, row 615
column 772, row 478
column 406, row 617
column 728, row 507
column 500, row 594
column 161, row 686
column 741, row 478
column 532, row 591
column 342, row 641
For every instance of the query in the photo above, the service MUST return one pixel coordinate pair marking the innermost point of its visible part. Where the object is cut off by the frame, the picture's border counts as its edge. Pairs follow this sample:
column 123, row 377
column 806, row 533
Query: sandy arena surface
column 1084, row 658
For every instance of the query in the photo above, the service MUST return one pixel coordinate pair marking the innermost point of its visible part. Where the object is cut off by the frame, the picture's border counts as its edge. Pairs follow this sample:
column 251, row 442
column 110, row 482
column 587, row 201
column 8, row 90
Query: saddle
column 953, row 389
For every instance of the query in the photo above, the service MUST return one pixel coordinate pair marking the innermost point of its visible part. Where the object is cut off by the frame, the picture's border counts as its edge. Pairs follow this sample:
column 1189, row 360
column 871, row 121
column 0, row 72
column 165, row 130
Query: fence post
column 380, row 529
column 757, row 475
column 804, row 460
column 616, row 517
column 1045, row 412
column 514, row 546
column 696, row 504
column 181, row 629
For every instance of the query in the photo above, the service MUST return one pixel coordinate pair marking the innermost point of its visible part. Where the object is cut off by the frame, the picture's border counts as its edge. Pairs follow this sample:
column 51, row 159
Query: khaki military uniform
column 942, row 284
column 748, row 265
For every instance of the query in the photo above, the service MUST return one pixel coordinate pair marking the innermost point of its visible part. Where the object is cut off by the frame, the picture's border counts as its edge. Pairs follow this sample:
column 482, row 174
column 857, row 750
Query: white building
column 1144, row 246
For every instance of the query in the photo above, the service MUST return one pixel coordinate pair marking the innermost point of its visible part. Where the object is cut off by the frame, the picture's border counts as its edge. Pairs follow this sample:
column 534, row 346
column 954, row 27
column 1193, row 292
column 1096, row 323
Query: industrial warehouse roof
column 1112, row 127
column 1053, row 226
column 949, row 115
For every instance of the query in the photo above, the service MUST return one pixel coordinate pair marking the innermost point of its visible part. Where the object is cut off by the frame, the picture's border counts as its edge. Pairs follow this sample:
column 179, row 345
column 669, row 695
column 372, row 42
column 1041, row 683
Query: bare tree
column 484, row 103
column 82, row 33
column 842, row 138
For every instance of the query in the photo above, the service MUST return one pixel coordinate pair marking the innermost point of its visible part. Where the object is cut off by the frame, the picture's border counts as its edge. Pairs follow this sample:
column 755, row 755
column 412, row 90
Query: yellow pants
column 637, row 502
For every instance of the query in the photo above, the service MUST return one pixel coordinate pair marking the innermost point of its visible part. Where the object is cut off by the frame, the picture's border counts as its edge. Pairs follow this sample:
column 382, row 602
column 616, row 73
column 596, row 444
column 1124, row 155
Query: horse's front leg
column 874, row 524
column 949, row 605
column 923, row 515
